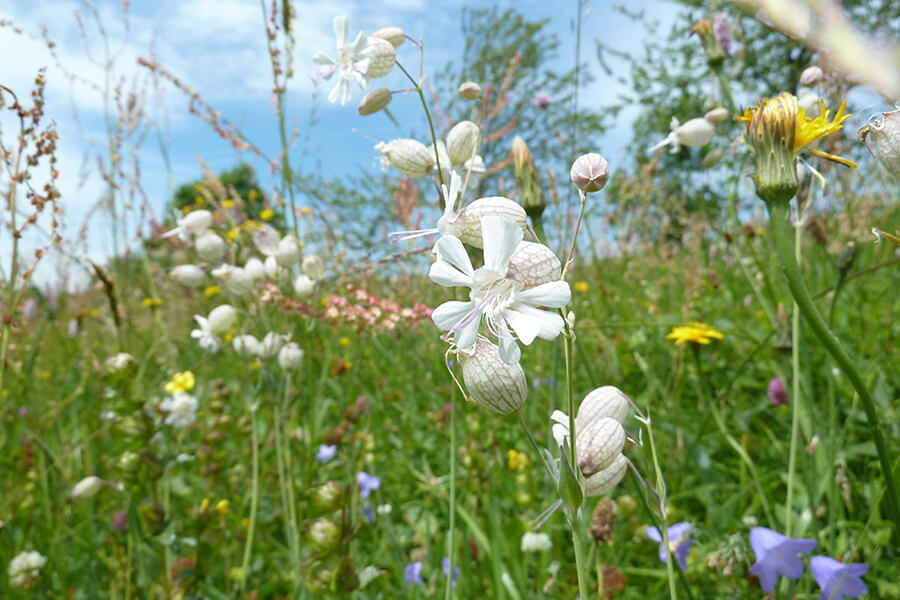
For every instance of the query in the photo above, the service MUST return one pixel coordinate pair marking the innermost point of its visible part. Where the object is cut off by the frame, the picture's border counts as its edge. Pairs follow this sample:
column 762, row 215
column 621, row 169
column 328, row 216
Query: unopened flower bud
column 715, row 54
column 245, row 346
column 884, row 132
column 394, row 35
column 470, row 90
column 273, row 269
column 188, row 275
column 323, row 536
column 408, row 156
column 598, row 444
column 846, row 258
column 520, row 153
column 716, row 115
column 304, row 286
column 532, row 264
column 713, row 157
column 467, row 223
column 590, row 172
column 290, row 357
column 328, row 497
column 382, row 57
column 462, row 141
column 288, row 251
column 491, row 382
column 87, row 487
column 375, row 101
column 221, row 318
column 604, row 402
column 603, row 481
column 811, row 76
column 210, row 247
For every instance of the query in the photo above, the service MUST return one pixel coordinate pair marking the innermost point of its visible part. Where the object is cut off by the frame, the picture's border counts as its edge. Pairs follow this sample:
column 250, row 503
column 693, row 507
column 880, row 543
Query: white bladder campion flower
column 694, row 133
column 245, row 346
column 25, row 568
column 89, row 486
column 188, row 275
column 192, row 224
column 236, row 280
column 181, row 410
column 290, row 356
column 220, row 319
column 271, row 344
column 408, row 156
column 500, row 300
column 210, row 247
column 352, row 62
column 533, row 541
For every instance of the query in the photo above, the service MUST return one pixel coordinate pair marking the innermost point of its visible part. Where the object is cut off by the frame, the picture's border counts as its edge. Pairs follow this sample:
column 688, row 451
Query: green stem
column 664, row 521
column 580, row 561
column 778, row 215
column 725, row 84
column 437, row 159
column 448, row 590
column 795, row 399
column 254, row 498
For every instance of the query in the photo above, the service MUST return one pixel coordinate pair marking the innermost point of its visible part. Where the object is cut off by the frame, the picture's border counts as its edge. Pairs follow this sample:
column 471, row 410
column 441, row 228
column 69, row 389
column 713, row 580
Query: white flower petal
column 335, row 93
column 341, row 30
column 553, row 294
column 449, row 314
column 468, row 334
column 509, row 349
column 451, row 250
column 323, row 60
column 551, row 324
column 501, row 236
column 442, row 273
column 360, row 44
column 526, row 326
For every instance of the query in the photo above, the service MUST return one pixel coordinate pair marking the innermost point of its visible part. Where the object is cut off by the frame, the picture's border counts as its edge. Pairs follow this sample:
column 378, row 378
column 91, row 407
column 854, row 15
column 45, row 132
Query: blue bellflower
column 414, row 573
column 445, row 565
column 679, row 542
column 838, row 580
column 367, row 483
column 777, row 555
column 325, row 453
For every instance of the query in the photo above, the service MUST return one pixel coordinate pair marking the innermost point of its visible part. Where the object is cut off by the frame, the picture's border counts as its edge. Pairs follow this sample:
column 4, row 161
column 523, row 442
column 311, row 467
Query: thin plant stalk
column 254, row 497
column 795, row 395
column 664, row 522
column 437, row 159
column 448, row 590
column 781, row 230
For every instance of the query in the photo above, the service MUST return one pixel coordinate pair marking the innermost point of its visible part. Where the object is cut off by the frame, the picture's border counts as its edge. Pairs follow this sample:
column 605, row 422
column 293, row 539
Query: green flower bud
column 328, row 497
column 323, row 536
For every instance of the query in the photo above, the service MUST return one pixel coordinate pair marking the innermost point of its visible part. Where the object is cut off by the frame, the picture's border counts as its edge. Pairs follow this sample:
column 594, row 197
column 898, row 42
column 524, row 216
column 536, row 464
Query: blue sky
column 218, row 48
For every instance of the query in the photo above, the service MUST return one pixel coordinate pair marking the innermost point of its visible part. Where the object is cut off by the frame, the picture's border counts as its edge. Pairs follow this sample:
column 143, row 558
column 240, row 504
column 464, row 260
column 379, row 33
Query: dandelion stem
column 795, row 399
column 778, row 215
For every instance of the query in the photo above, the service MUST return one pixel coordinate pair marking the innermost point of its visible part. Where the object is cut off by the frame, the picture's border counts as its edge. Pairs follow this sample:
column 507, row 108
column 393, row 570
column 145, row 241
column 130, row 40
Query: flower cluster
column 363, row 310
column 25, row 568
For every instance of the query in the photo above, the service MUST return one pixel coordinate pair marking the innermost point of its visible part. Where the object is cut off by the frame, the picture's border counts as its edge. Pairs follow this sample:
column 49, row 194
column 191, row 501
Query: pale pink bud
column 590, row 172
column 811, row 76
column 716, row 115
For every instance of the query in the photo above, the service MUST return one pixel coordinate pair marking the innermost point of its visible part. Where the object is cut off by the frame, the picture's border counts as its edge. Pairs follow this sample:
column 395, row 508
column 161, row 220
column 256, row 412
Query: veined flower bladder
column 500, row 300
column 192, row 224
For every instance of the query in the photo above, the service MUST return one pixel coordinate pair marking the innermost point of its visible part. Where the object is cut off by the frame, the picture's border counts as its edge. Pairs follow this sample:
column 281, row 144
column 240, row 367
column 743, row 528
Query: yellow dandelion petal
column 266, row 214
column 211, row 291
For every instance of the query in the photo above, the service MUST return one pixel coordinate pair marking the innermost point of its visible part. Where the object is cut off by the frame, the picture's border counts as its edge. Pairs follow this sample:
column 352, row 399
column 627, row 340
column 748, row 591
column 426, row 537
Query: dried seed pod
column 382, row 57
column 885, row 133
column 603, row 481
column 467, row 223
column 604, row 402
column 590, row 172
column 491, row 382
column 533, row 264
column 597, row 446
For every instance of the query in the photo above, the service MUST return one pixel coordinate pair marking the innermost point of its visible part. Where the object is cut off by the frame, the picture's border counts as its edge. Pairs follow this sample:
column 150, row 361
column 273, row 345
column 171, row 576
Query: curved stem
column 778, row 215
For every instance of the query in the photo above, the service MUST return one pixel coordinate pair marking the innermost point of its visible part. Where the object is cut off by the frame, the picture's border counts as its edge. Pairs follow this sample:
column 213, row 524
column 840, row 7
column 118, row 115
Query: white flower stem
column 437, row 159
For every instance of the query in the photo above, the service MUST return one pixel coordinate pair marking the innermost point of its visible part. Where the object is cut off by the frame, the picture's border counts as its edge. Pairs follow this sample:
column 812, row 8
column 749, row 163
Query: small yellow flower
column 198, row 200
column 228, row 203
column 151, row 302
column 180, row 383
column 185, row 209
column 517, row 460
column 43, row 374
column 222, row 507
column 232, row 234
column 255, row 365
column 212, row 290
column 344, row 341
column 694, row 332
column 229, row 335
column 782, row 120
column 266, row 214
column 204, row 504
column 253, row 195
column 582, row 286
column 305, row 210
column 94, row 312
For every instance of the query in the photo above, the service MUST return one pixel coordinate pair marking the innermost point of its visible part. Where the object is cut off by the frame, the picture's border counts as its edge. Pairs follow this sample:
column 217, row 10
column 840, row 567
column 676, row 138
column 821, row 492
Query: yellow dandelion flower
column 185, row 209
column 255, row 365
column 204, row 505
column 222, row 507
column 513, row 459
column 232, row 234
column 228, row 203
column 198, row 200
column 266, row 214
column 344, row 341
column 212, row 290
column 253, row 195
column 582, row 286
column 694, row 332
column 180, row 383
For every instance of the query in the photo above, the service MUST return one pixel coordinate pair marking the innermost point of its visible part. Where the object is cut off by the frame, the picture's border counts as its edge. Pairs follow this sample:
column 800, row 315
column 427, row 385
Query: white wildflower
column 535, row 542
column 181, row 409
column 694, row 133
column 288, row 253
column 210, row 247
column 25, row 568
column 246, row 346
column 290, row 356
column 271, row 344
column 352, row 63
column 192, row 224
column 304, row 286
column 188, row 275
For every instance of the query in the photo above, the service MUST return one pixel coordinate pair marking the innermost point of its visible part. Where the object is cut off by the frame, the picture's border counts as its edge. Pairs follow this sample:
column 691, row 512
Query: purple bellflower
column 777, row 555
column 838, row 580
column 679, row 542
